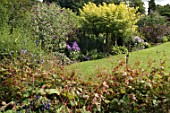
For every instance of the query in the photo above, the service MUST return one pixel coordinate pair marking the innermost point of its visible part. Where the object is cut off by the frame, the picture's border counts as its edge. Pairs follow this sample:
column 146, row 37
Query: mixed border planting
column 39, row 42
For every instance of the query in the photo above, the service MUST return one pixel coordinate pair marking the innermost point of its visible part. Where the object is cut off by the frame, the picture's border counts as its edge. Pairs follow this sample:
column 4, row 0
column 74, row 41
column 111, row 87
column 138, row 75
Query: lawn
column 152, row 56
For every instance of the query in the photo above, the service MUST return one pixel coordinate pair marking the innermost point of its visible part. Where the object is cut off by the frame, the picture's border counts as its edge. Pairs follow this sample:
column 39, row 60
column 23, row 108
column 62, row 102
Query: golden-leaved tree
column 114, row 23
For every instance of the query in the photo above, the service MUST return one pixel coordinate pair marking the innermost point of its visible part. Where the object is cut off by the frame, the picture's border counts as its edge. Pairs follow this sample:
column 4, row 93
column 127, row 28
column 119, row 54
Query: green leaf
column 122, row 91
column 54, row 91
column 72, row 103
column 26, row 95
column 106, row 101
column 114, row 101
column 2, row 69
column 154, row 102
column 41, row 91
column 69, row 95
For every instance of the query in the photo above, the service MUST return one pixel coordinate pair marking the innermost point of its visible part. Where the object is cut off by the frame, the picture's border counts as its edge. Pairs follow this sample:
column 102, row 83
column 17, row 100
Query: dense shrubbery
column 15, row 27
column 19, row 40
column 52, row 26
column 153, row 27
column 30, row 85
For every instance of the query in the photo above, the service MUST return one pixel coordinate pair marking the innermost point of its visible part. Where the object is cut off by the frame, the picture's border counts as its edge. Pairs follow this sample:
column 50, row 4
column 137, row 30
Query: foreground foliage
column 39, row 85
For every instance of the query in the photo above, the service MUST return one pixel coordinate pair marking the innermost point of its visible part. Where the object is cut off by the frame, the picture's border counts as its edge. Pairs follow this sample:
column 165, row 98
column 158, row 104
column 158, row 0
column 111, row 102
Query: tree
column 152, row 6
column 132, row 3
column 163, row 10
column 114, row 23
column 139, row 4
column 75, row 5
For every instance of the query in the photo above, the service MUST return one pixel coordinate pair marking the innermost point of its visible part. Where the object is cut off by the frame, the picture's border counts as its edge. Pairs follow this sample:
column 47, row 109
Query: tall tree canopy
column 139, row 4
column 152, row 6
column 164, row 10
column 76, row 4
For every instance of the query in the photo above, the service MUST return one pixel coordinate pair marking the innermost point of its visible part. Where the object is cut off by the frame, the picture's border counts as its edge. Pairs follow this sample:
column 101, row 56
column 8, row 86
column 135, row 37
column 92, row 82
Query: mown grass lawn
column 152, row 56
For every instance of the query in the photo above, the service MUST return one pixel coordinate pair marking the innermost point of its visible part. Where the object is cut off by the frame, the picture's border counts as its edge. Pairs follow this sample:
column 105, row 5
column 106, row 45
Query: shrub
column 147, row 45
column 165, row 39
column 15, row 28
column 94, row 54
column 52, row 26
column 19, row 40
column 168, row 37
column 47, row 88
column 62, row 58
column 152, row 27
column 116, row 50
column 15, row 13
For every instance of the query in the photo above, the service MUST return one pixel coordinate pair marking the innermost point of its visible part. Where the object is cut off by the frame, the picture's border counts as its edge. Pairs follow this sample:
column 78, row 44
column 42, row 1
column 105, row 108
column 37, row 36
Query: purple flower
column 31, row 102
column 54, row 37
column 87, row 58
column 42, row 61
column 68, row 47
column 75, row 46
column 61, row 11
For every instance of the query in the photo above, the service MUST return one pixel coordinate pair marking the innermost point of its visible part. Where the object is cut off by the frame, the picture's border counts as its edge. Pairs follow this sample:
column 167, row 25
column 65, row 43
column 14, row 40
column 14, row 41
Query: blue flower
column 38, row 97
column 48, row 105
column 37, row 42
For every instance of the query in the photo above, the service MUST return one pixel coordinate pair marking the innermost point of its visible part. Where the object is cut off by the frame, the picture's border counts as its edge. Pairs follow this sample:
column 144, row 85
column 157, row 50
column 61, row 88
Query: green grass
column 86, row 70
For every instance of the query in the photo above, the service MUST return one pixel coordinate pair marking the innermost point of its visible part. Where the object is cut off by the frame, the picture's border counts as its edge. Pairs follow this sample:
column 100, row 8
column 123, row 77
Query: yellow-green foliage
column 109, row 18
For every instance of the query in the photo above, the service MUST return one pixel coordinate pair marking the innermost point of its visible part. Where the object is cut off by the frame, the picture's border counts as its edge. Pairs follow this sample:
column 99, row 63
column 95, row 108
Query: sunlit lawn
column 154, row 55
